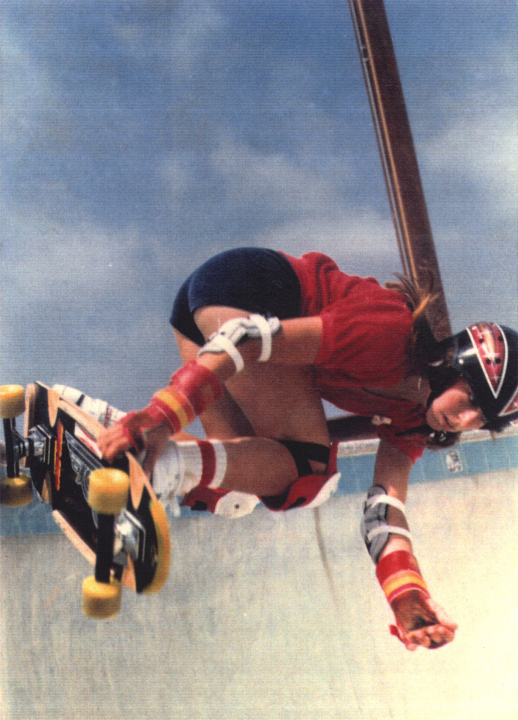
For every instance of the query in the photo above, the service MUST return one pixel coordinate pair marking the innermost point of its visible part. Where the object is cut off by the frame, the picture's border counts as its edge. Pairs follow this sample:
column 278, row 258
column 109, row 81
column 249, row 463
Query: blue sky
column 139, row 138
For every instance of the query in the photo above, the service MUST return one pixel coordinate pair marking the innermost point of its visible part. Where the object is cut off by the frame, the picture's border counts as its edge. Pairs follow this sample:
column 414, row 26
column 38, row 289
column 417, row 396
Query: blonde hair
column 418, row 298
column 423, row 346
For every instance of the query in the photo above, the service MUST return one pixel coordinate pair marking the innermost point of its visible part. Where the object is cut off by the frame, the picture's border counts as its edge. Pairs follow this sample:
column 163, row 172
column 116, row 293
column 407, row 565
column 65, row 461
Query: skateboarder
column 265, row 338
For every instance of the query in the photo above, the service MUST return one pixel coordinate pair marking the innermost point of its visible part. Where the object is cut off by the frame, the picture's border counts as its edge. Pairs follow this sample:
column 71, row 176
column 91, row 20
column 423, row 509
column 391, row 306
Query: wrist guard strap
column 398, row 573
column 192, row 389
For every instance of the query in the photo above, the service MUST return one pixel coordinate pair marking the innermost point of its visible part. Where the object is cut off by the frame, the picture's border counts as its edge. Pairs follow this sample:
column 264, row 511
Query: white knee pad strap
column 238, row 329
column 221, row 463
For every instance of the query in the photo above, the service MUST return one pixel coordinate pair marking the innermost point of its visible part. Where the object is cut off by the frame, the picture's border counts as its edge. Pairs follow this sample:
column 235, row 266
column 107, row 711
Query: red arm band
column 398, row 573
column 191, row 390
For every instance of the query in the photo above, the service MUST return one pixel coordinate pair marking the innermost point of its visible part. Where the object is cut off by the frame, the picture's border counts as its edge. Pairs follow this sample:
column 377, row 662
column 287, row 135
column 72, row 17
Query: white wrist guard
column 237, row 330
column 374, row 527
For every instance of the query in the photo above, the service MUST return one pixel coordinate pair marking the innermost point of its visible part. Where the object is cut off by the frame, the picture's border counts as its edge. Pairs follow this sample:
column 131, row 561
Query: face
column 455, row 410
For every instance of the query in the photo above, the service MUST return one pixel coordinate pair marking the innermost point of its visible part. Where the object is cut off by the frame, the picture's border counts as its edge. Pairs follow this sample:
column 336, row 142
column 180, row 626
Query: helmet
column 486, row 355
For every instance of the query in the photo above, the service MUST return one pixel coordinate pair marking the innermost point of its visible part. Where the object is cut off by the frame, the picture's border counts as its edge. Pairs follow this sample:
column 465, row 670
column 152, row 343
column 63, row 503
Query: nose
column 470, row 419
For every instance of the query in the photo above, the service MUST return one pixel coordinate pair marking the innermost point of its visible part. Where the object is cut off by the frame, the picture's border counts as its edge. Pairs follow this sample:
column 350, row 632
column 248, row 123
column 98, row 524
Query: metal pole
column 406, row 196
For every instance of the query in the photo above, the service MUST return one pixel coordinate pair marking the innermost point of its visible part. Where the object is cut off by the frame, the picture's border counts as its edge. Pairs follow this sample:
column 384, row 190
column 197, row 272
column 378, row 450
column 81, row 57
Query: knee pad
column 310, row 489
column 303, row 452
column 228, row 503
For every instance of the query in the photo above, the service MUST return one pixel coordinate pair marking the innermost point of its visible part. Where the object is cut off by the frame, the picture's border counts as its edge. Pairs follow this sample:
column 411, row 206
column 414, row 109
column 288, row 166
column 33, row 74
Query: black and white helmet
column 486, row 355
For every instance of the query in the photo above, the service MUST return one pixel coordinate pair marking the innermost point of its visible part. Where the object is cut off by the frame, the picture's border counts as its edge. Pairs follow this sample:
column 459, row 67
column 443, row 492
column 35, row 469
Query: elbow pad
column 236, row 330
column 374, row 527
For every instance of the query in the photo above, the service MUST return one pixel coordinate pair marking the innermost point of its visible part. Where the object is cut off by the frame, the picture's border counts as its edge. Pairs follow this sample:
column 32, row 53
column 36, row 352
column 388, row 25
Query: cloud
column 159, row 133
column 28, row 91
column 276, row 179
column 71, row 261
column 354, row 238
column 178, row 31
column 82, row 263
column 477, row 142
column 481, row 151
column 176, row 172
column 193, row 25
column 304, row 204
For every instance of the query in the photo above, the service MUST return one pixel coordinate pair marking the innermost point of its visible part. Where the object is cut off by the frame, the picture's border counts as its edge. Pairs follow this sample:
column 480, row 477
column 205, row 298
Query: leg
column 263, row 403
column 255, row 465
column 278, row 401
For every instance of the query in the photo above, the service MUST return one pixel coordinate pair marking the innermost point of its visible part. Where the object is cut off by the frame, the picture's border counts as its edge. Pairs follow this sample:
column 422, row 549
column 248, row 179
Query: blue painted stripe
column 467, row 458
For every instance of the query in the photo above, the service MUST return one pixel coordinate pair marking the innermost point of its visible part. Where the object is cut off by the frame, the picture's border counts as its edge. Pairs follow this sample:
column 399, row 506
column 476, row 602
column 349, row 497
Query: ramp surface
column 273, row 617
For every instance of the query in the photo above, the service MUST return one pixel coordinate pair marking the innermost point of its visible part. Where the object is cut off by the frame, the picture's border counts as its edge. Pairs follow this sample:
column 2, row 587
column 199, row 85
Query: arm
column 297, row 342
column 199, row 384
column 419, row 620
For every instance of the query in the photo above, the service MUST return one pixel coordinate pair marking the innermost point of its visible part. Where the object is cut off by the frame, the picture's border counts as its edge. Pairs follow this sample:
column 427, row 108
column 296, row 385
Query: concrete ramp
column 273, row 617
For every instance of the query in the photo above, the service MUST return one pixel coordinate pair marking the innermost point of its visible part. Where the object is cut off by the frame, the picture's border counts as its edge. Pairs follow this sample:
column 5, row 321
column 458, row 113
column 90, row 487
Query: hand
column 126, row 434
column 156, row 440
column 421, row 622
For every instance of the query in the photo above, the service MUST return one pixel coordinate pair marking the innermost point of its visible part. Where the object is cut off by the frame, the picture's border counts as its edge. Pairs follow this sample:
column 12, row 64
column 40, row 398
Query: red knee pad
column 308, row 490
column 227, row 503
column 203, row 499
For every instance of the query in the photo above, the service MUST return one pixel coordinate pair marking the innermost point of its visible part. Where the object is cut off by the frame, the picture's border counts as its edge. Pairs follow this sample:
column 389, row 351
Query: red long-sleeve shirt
column 365, row 343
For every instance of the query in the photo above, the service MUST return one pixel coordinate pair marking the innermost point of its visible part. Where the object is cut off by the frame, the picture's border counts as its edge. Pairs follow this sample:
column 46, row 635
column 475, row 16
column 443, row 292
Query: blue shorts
column 257, row 280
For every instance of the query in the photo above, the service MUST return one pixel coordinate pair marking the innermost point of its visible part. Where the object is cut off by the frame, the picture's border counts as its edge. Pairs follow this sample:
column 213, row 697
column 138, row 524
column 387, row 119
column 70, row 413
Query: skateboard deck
column 129, row 545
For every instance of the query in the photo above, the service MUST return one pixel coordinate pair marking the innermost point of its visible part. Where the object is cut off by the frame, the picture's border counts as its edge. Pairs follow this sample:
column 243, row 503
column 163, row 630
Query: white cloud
column 176, row 173
column 306, row 203
column 358, row 236
column 74, row 262
column 28, row 92
column 25, row 78
column 478, row 142
column 483, row 152
column 276, row 178
column 193, row 25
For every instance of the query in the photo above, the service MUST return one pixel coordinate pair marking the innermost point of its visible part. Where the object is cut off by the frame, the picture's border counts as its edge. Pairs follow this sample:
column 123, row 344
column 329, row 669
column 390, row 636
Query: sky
column 139, row 138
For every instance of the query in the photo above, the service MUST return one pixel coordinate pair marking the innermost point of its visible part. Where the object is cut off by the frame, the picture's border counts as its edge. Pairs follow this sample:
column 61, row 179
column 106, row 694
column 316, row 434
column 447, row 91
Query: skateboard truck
column 15, row 487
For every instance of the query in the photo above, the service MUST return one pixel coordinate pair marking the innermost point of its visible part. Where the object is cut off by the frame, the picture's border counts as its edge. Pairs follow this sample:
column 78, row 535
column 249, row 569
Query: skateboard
column 109, row 512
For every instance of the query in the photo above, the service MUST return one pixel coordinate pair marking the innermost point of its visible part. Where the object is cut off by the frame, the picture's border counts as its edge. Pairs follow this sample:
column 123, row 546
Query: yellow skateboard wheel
column 163, row 547
column 101, row 601
column 108, row 490
column 12, row 401
column 16, row 492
